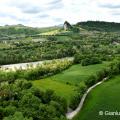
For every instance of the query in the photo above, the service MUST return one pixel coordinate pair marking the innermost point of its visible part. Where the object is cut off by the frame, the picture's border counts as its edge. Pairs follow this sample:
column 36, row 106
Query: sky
column 44, row 13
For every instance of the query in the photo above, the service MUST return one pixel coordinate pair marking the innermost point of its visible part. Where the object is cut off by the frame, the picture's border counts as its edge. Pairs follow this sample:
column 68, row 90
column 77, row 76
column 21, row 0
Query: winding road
column 72, row 114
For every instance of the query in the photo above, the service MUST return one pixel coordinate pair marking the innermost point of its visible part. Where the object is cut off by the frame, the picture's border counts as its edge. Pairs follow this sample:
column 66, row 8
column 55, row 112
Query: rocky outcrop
column 67, row 26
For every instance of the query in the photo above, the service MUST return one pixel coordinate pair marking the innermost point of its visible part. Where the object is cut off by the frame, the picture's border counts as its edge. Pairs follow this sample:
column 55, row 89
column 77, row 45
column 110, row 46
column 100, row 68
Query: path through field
column 72, row 114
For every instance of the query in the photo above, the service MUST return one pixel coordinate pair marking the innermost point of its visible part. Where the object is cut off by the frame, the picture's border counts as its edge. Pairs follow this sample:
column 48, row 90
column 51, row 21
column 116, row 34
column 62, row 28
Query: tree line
column 40, row 71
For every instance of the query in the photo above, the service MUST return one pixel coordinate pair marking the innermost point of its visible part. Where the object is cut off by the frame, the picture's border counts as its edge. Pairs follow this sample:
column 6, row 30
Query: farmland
column 96, row 101
column 64, row 83
column 60, row 60
column 56, row 87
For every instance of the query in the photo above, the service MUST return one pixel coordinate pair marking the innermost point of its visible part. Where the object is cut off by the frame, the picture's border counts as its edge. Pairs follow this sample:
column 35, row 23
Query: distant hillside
column 9, row 32
column 100, row 26
column 17, row 30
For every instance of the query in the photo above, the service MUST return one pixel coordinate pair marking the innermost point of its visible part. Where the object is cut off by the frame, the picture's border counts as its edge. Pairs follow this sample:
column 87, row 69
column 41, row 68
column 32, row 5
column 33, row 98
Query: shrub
column 91, row 81
column 100, row 75
column 78, row 58
column 52, row 38
column 82, row 88
column 76, row 99
column 90, row 61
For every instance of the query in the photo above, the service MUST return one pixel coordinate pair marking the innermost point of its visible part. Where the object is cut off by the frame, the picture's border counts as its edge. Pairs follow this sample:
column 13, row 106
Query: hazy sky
column 42, row 13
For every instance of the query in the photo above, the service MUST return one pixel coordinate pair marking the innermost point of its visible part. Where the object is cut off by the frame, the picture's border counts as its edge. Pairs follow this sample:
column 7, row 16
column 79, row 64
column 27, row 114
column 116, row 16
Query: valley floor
column 65, row 83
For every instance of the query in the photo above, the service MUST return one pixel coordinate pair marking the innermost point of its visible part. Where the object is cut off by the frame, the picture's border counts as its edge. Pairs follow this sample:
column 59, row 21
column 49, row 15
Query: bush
column 101, row 75
column 90, row 61
column 82, row 88
column 78, row 58
column 52, row 38
column 76, row 99
column 91, row 81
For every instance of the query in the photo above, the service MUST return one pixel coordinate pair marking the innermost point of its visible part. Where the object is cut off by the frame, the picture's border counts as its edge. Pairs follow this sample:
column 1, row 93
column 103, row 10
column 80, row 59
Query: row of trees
column 102, row 45
column 110, row 71
column 35, row 51
column 41, row 71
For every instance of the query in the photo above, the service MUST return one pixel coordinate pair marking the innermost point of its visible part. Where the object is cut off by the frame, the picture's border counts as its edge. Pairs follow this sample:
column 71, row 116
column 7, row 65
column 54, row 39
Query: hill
column 9, row 32
column 100, row 26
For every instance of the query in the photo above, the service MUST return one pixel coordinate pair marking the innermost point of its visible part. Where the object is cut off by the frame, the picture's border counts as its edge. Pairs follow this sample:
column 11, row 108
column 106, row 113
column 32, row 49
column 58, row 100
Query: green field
column 64, row 83
column 105, row 97
column 61, row 89
column 77, row 73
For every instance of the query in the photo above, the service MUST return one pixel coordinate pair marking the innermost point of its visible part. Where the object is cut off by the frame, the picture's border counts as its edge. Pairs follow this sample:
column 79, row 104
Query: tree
column 91, row 81
column 17, row 116
column 90, row 61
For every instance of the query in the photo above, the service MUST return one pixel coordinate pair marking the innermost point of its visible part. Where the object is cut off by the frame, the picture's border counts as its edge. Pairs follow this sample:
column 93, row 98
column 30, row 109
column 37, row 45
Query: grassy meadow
column 64, row 83
column 103, row 98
